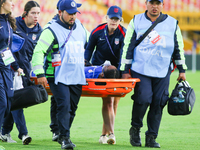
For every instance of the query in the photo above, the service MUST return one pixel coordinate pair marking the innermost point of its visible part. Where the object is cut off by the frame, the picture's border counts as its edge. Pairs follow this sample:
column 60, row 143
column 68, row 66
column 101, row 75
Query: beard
column 68, row 22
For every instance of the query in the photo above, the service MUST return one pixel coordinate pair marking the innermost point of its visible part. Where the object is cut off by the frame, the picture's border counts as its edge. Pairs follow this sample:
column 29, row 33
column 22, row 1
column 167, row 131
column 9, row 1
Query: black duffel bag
column 29, row 96
column 182, row 99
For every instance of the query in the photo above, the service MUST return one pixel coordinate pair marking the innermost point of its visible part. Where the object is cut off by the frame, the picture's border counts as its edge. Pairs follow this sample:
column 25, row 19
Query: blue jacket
column 31, row 36
column 103, row 51
column 4, row 35
column 93, row 71
column 6, row 77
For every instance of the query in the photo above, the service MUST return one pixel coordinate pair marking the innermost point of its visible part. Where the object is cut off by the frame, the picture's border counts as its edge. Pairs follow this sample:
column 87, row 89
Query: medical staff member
column 150, row 62
column 63, row 41
column 107, row 38
column 29, row 29
column 53, row 109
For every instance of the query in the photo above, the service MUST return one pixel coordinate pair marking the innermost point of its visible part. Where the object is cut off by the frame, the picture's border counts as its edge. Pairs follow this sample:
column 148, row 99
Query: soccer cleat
column 26, row 139
column 111, row 139
column 103, row 139
column 55, row 137
column 7, row 138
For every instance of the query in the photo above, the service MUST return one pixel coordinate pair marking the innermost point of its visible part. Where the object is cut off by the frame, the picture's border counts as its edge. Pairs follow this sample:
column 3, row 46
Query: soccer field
column 176, row 132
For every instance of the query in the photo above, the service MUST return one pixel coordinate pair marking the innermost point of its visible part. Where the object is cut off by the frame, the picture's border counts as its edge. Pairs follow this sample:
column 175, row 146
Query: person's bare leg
column 108, row 115
column 104, row 132
column 111, row 137
column 116, row 101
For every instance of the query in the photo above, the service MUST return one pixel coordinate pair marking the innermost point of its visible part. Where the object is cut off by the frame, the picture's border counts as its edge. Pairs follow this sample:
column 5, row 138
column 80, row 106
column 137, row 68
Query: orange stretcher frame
column 104, row 87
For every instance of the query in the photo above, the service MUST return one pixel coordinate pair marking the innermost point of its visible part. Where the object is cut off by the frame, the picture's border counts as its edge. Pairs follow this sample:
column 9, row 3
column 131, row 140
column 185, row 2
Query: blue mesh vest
column 154, row 59
column 71, row 71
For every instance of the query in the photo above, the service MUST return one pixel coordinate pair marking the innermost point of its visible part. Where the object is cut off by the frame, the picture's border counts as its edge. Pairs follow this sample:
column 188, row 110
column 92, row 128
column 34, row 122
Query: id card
column 56, row 59
column 154, row 37
column 7, row 56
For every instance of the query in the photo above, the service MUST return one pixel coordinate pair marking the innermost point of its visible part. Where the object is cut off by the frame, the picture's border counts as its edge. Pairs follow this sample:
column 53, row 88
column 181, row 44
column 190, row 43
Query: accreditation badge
column 7, row 56
column 154, row 37
column 56, row 59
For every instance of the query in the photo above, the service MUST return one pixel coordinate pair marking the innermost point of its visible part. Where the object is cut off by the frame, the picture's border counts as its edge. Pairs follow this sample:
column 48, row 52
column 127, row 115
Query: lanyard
column 9, row 34
column 108, row 42
column 70, row 33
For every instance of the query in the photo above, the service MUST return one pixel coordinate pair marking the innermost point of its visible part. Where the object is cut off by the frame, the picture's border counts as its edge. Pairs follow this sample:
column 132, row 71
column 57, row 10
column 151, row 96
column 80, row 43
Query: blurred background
column 93, row 12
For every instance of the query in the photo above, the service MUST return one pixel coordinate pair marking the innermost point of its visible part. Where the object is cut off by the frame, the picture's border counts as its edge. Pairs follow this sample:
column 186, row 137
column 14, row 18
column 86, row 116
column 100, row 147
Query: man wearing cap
column 62, row 42
column 53, row 112
column 107, row 40
column 150, row 61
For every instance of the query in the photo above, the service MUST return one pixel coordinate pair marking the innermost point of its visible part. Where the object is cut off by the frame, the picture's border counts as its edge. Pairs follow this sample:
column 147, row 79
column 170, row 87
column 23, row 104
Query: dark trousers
column 67, row 98
column 153, row 93
column 3, row 102
column 16, row 116
column 53, row 113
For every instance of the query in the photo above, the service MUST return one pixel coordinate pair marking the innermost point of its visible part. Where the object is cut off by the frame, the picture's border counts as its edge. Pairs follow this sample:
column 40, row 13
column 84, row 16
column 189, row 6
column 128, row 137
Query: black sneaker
column 73, row 144
column 55, row 136
column 150, row 142
column 61, row 139
column 135, row 139
column 67, row 144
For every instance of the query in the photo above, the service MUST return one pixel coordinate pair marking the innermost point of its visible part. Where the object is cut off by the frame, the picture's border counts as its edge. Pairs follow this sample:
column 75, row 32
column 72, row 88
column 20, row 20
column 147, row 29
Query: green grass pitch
column 176, row 132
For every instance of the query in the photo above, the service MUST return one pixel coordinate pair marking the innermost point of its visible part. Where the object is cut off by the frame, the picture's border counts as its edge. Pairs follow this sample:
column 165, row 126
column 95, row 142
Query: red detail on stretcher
column 104, row 87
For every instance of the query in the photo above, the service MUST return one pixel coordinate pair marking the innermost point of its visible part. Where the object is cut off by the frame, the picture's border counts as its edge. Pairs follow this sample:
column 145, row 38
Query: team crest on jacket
column 34, row 37
column 116, row 41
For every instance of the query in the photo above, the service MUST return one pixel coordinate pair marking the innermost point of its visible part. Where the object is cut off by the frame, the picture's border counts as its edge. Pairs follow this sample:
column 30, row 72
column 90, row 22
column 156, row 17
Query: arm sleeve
column 128, row 48
column 90, row 47
column 87, row 35
column 45, row 41
column 178, row 54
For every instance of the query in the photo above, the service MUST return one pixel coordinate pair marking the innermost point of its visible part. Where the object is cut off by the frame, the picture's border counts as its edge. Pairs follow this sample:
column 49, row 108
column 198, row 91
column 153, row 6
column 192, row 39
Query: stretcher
column 104, row 87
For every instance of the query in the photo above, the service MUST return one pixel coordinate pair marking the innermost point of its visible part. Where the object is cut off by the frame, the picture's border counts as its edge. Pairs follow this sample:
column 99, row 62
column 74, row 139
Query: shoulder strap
column 149, row 30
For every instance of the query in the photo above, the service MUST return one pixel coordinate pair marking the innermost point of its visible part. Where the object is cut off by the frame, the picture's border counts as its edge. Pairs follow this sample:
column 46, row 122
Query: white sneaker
column 103, row 139
column 111, row 139
column 7, row 138
column 26, row 139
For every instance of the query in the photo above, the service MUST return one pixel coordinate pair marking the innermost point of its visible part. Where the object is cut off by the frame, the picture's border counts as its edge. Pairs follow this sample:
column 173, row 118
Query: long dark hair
column 28, row 6
column 11, row 19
